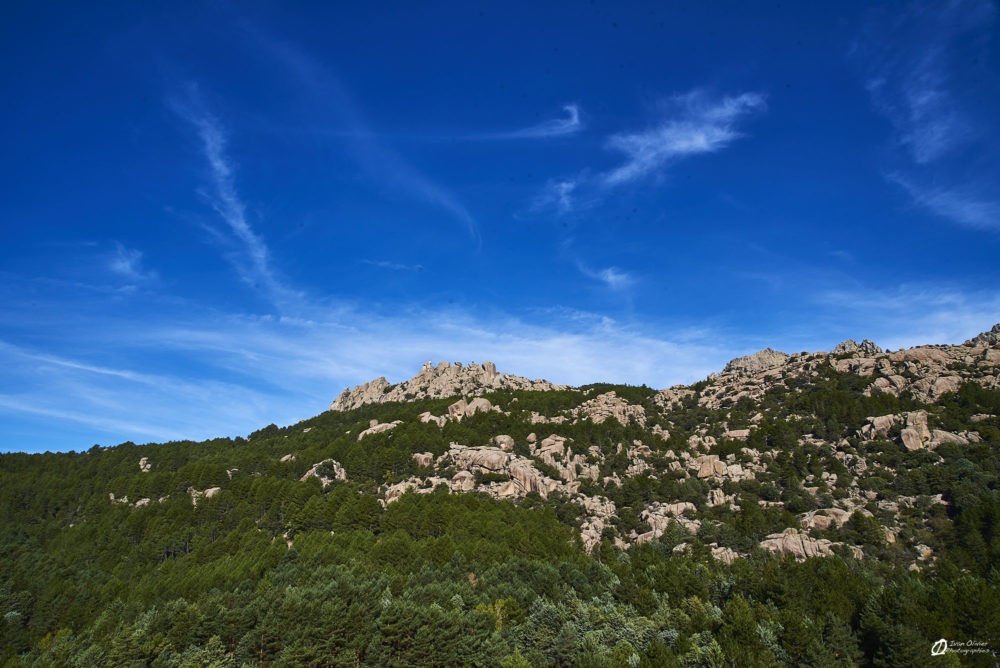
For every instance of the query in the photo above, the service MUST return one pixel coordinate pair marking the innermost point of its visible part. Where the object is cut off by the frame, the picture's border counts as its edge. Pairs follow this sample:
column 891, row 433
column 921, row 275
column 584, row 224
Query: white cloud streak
column 693, row 124
column 699, row 125
column 915, row 79
column 127, row 263
column 253, row 260
column 910, row 74
column 612, row 277
column 377, row 158
column 556, row 127
column 959, row 205
column 913, row 314
column 283, row 370
column 395, row 266
column 179, row 370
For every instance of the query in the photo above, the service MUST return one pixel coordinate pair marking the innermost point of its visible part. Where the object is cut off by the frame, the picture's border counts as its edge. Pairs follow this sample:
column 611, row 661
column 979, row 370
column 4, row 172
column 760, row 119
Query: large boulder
column 504, row 442
column 759, row 361
column 710, row 466
column 375, row 428
column 794, row 542
column 916, row 435
column 477, row 405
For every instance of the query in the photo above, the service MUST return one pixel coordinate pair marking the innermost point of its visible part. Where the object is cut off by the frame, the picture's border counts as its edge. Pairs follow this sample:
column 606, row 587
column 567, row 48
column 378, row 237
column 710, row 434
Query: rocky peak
column 990, row 338
column 866, row 347
column 447, row 379
column 759, row 361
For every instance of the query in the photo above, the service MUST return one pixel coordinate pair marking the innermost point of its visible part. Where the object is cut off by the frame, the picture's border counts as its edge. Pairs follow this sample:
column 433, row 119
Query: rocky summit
column 824, row 508
column 444, row 380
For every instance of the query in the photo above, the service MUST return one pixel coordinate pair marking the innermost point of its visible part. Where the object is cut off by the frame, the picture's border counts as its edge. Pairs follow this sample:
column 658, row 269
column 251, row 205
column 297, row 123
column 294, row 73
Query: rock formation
column 610, row 405
column 444, row 380
column 759, row 361
column 990, row 338
column 375, row 428
column 866, row 347
column 327, row 471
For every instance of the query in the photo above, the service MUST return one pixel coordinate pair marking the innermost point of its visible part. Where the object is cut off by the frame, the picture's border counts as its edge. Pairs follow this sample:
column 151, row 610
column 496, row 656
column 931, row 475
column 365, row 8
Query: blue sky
column 218, row 215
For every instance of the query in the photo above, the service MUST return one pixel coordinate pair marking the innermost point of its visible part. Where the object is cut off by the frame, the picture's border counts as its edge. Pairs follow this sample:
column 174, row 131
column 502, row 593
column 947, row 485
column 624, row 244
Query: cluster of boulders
column 434, row 382
column 866, row 347
column 658, row 515
column 802, row 546
column 554, row 451
column 610, row 405
column 928, row 372
column 989, row 339
column 915, row 435
column 199, row 494
column 458, row 410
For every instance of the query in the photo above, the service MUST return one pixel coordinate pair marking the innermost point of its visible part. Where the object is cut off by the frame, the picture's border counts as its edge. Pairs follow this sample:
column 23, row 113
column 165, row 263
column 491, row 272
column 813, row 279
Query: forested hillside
column 812, row 510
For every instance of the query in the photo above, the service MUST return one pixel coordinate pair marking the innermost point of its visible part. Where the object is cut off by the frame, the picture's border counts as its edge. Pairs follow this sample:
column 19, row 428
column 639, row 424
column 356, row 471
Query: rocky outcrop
column 990, row 338
column 444, row 380
column 524, row 478
column 553, row 450
column 463, row 409
column 439, row 420
column 794, row 542
column 423, row 459
column 658, row 515
column 710, row 466
column 916, row 435
column 824, row 519
column 866, row 347
column 504, row 442
column 327, row 471
column 610, row 405
column 144, row 465
column 759, row 361
column 196, row 495
column 724, row 554
column 878, row 426
column 375, row 428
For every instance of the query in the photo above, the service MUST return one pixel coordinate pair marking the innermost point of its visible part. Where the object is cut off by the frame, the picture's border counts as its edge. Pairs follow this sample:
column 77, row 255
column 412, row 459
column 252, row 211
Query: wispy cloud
column 911, row 76
column 555, row 127
column 917, row 64
column 612, row 277
column 692, row 124
column 912, row 314
column 253, row 259
column 395, row 266
column 379, row 160
column 960, row 205
column 127, row 263
column 230, row 373
column 556, row 195
column 285, row 369
column 697, row 124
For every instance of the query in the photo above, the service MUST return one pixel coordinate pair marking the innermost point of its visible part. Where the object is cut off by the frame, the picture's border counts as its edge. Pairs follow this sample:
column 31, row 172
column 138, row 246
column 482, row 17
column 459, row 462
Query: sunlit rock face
column 447, row 379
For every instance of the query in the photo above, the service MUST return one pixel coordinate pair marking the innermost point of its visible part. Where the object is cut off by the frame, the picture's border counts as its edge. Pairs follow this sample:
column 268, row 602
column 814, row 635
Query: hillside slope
column 806, row 508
